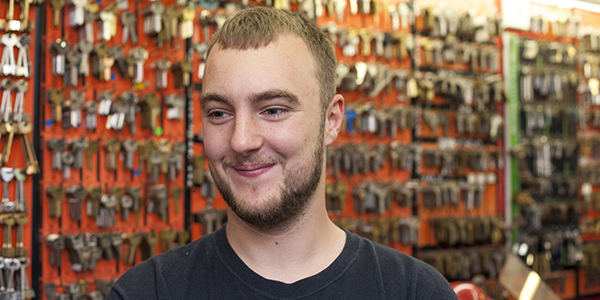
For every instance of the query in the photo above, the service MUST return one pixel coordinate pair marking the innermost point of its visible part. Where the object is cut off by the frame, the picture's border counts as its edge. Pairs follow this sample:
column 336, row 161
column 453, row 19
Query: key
column 108, row 18
column 153, row 19
column 76, row 196
column 116, row 119
column 59, row 50
column 57, row 145
column 87, row 32
column 90, row 117
column 183, row 237
column 26, row 291
column 176, row 106
column 181, row 73
column 167, row 237
column 105, row 98
column 150, row 240
column 57, row 243
column 112, row 146
column 187, row 22
column 77, row 15
column 204, row 19
column 75, row 246
column 12, row 265
column 7, row 175
column 155, row 160
column 57, row 6
column 129, row 20
column 150, row 104
column 144, row 150
column 130, row 101
column 366, row 38
column 7, row 249
column 73, row 61
column 56, row 98
column 140, row 55
column 135, row 239
column 25, row 129
column 78, row 146
column 21, row 86
column 176, row 195
column 92, row 206
column 20, row 201
column 6, row 106
column 76, row 99
column 9, row 65
column 161, row 73
column 161, row 197
column 126, row 205
column 107, row 217
column 170, row 18
column 340, row 9
column 85, row 47
column 93, row 147
column 22, row 68
column 129, row 146
column 211, row 219
column 67, row 159
column 136, row 195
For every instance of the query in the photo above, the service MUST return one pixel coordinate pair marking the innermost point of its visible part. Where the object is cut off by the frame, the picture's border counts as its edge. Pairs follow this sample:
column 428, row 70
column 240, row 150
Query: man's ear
column 333, row 119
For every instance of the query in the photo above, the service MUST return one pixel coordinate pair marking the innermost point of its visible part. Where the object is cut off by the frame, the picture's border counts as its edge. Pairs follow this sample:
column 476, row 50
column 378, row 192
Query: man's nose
column 247, row 136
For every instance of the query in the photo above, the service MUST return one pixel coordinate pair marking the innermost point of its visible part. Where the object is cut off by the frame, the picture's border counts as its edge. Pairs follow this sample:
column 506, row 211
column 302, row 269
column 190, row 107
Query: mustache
column 254, row 159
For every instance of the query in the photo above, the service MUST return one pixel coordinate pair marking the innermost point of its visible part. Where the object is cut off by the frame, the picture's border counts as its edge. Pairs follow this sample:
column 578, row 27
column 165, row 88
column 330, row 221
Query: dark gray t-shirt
column 208, row 268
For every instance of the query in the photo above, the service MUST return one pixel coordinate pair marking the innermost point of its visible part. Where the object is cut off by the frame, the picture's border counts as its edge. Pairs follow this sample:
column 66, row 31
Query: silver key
column 128, row 20
column 9, row 65
column 6, row 105
column 85, row 48
column 22, row 68
column 21, row 86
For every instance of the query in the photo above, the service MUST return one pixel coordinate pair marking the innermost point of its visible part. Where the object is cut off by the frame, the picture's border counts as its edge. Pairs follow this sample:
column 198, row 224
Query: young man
column 269, row 109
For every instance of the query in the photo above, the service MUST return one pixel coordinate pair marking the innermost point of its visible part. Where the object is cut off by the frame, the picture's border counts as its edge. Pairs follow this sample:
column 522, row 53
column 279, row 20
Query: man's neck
column 304, row 249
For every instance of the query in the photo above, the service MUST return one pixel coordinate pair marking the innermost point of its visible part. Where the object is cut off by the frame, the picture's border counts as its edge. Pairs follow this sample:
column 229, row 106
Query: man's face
column 263, row 134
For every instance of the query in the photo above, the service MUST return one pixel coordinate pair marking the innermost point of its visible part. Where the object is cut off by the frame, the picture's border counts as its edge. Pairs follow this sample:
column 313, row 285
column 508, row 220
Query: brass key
column 150, row 239
column 55, row 194
column 150, row 104
column 10, row 129
column 176, row 194
column 144, row 150
column 164, row 146
column 135, row 239
column 57, row 6
column 8, row 221
column 56, row 98
column 136, row 194
column 21, row 220
column 92, row 207
column 91, row 149
column 181, row 73
column 25, row 128
column 112, row 146
column 166, row 239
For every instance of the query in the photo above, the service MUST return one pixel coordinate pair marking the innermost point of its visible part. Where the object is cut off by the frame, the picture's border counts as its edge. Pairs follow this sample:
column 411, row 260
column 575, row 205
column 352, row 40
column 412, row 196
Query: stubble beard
column 286, row 207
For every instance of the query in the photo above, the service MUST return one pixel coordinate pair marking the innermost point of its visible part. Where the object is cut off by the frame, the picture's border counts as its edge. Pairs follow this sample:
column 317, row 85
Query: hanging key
column 20, row 220
column 129, row 20
column 108, row 19
column 150, row 104
column 6, row 105
column 67, row 159
column 153, row 19
column 55, row 195
column 129, row 146
column 76, row 196
column 136, row 195
column 57, row 243
column 92, row 206
column 130, row 101
column 204, row 19
column 7, row 175
column 176, row 106
column 176, row 192
column 187, row 23
column 85, row 48
column 8, row 63
column 77, row 15
column 25, row 129
column 56, row 98
column 22, row 68
column 112, row 146
column 161, row 75
column 86, row 33
column 57, row 6
column 93, row 147
column 21, row 87
column 77, row 98
column 20, row 200
column 57, row 145
column 78, row 146
column 11, row 129
column 135, row 239
column 126, row 205
column 116, row 53
column 98, row 57
column 155, row 160
column 105, row 98
column 140, row 55
column 91, row 120
column 116, row 119
column 59, row 50
column 182, row 73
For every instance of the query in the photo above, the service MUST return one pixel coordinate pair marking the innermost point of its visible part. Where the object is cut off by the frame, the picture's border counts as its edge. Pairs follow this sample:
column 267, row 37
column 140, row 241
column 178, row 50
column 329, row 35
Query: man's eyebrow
column 273, row 94
column 207, row 97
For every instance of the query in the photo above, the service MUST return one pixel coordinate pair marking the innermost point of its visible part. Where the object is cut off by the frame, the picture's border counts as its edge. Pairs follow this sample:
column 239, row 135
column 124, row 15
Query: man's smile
column 252, row 170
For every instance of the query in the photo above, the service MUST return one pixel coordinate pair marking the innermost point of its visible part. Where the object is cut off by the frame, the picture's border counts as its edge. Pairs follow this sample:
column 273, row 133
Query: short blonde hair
column 256, row 27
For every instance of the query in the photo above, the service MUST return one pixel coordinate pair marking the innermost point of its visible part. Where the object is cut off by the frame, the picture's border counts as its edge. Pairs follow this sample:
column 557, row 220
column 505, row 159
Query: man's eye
column 216, row 114
column 274, row 111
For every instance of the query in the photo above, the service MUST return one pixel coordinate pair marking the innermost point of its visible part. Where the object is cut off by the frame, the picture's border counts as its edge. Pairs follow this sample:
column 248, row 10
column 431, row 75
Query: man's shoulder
column 402, row 274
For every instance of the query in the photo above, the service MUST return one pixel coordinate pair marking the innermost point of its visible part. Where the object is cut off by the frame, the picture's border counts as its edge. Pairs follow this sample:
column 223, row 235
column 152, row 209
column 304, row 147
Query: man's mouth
column 252, row 170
